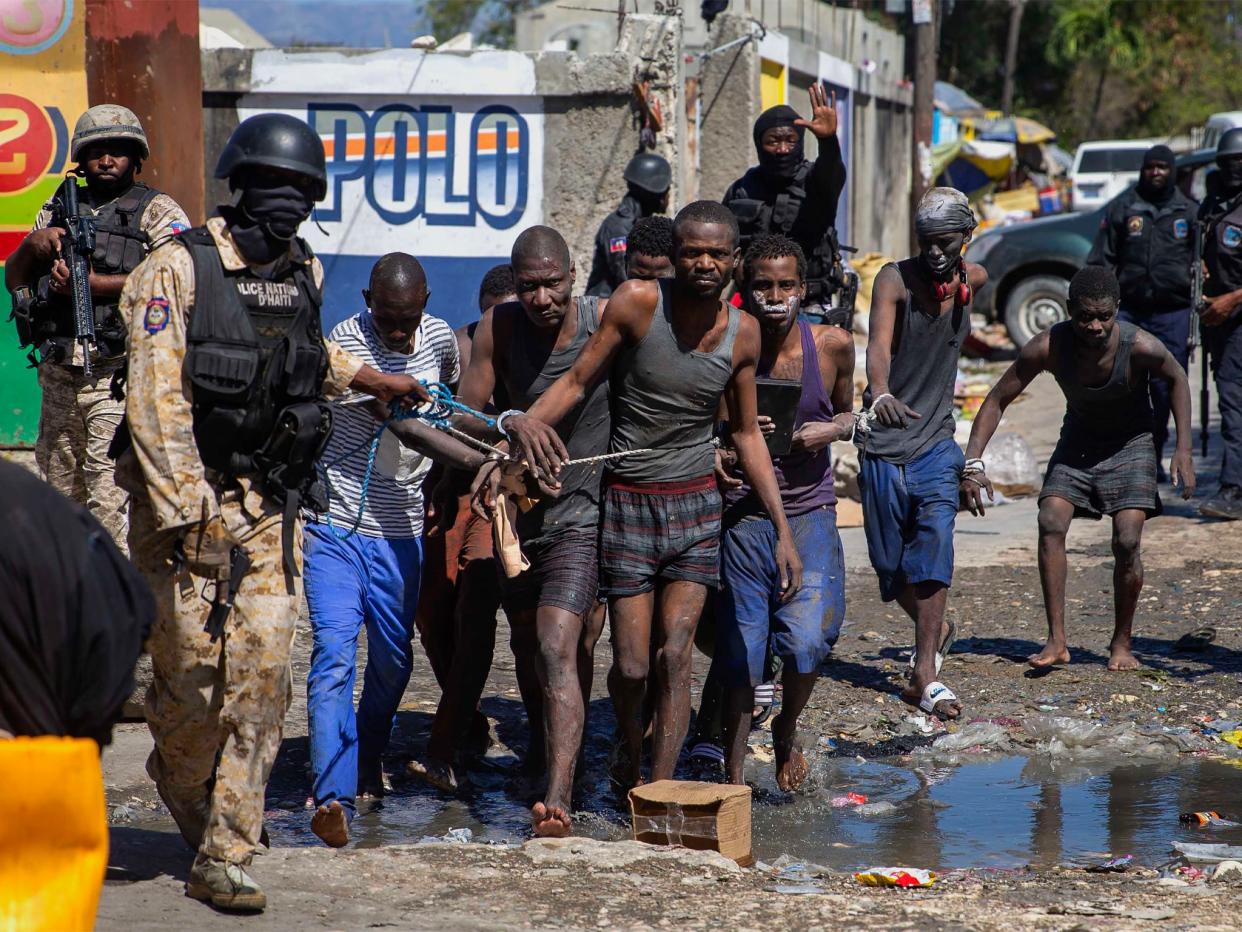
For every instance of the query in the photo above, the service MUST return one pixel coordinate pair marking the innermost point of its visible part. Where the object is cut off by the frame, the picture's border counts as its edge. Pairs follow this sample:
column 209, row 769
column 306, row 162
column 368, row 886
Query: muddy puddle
column 1002, row 812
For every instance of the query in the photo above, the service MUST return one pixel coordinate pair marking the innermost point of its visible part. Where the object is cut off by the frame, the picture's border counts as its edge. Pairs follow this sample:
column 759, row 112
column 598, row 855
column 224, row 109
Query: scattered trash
column 1227, row 872
column 975, row 737
column 896, row 877
column 1196, row 641
column 1232, row 737
column 921, row 724
column 871, row 636
column 120, row 813
column 1206, row 819
column 458, row 836
column 1112, row 866
column 828, row 744
column 1198, row 853
column 1063, row 736
column 849, row 799
column 1011, row 465
column 876, row 809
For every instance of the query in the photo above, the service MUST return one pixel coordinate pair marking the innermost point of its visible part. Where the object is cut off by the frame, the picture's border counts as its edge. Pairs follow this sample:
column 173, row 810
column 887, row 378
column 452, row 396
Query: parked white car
column 1104, row 168
column 1218, row 124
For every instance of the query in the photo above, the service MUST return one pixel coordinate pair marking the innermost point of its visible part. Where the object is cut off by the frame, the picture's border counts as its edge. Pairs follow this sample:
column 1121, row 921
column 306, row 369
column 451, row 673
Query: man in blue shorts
column 751, row 616
column 909, row 462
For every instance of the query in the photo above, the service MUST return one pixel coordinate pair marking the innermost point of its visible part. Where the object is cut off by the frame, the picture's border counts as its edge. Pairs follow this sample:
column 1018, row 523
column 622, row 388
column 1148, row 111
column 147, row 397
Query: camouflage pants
column 217, row 710
column 76, row 424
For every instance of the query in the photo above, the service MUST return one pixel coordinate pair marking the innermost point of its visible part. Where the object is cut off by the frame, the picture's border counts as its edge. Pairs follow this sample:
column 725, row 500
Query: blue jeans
column 1172, row 328
column 349, row 583
column 750, row 615
column 908, row 515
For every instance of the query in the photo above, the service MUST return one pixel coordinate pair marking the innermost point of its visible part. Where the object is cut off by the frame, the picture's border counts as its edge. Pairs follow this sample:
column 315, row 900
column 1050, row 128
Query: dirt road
column 1193, row 571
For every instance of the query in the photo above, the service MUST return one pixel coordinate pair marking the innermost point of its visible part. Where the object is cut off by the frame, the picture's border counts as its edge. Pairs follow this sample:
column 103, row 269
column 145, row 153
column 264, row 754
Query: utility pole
column 924, row 13
column 1016, row 8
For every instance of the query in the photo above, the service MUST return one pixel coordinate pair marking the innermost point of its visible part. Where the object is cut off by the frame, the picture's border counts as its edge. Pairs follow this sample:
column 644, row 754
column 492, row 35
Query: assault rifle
column 76, row 249
column 1197, row 333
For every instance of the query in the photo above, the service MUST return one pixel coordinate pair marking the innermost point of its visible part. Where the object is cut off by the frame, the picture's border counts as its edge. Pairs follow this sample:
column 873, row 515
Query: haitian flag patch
column 156, row 318
column 617, row 244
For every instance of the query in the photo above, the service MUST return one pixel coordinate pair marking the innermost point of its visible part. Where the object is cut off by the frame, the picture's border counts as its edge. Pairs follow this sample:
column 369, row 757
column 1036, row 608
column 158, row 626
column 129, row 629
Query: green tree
column 490, row 21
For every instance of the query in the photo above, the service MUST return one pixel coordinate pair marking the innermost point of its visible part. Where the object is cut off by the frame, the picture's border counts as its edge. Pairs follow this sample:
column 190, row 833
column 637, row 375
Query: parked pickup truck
column 1030, row 264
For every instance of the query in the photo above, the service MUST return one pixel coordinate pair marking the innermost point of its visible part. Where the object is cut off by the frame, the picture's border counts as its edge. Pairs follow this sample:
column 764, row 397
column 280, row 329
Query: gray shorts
column 1105, row 481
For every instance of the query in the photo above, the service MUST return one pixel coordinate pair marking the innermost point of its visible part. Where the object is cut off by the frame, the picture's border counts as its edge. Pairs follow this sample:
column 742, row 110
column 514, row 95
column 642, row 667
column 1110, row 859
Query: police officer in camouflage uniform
column 649, row 177
column 79, row 415
column 1221, row 219
column 228, row 372
column 788, row 194
column 1145, row 239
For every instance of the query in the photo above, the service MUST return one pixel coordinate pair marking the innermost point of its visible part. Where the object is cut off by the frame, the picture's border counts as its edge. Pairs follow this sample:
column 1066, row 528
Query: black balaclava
column 782, row 166
column 266, row 218
column 1157, row 195
column 1230, row 172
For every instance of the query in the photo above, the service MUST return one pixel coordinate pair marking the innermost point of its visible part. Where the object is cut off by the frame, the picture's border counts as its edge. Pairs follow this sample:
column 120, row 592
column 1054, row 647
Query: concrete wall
column 449, row 155
column 863, row 61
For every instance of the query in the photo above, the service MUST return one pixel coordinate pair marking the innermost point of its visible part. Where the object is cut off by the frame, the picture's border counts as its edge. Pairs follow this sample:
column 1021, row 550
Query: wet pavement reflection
column 999, row 812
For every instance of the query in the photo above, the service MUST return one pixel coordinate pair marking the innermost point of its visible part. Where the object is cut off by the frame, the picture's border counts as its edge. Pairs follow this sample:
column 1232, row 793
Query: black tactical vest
column 120, row 245
column 756, row 216
column 256, row 362
column 1222, row 244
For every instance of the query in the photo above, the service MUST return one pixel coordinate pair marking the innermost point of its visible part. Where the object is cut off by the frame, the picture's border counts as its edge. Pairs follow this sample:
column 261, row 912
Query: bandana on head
column 943, row 210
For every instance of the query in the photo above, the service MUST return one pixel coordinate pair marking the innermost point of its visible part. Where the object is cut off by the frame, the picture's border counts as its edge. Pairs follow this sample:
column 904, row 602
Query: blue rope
column 438, row 414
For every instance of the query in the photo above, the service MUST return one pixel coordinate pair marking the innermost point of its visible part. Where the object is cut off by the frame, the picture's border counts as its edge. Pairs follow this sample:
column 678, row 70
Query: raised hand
column 823, row 121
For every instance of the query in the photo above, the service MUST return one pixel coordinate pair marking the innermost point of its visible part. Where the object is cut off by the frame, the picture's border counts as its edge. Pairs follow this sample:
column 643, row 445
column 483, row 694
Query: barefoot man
column 910, row 463
column 520, row 349
column 1105, row 462
column 751, row 618
column 671, row 349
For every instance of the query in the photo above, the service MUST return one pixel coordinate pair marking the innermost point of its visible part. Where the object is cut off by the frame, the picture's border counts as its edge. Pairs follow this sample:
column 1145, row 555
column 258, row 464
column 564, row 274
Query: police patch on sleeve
column 1232, row 236
column 1135, row 226
column 1181, row 228
column 156, row 317
column 617, row 244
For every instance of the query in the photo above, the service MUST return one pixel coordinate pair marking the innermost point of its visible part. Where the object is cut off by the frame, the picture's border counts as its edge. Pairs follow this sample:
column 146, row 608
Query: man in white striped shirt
column 364, row 564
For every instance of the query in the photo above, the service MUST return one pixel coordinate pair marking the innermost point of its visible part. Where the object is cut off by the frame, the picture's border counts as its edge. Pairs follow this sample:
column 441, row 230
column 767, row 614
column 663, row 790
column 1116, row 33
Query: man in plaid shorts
column 671, row 350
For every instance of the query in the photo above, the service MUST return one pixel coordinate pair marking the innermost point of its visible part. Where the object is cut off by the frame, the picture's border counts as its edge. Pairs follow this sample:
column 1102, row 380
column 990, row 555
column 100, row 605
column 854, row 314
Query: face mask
column 277, row 211
column 783, row 164
column 255, row 245
column 1231, row 174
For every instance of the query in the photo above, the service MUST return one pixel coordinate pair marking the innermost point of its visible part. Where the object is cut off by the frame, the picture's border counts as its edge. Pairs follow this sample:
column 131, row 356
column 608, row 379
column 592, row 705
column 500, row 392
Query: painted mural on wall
column 419, row 161
column 43, row 61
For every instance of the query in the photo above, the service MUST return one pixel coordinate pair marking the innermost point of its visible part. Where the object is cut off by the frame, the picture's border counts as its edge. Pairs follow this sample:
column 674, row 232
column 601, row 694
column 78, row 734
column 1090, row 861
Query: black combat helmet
column 649, row 172
column 275, row 140
column 1230, row 145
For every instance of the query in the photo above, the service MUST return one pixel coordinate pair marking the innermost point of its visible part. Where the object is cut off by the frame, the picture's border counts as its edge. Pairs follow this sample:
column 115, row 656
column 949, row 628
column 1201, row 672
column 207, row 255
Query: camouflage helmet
column 107, row 121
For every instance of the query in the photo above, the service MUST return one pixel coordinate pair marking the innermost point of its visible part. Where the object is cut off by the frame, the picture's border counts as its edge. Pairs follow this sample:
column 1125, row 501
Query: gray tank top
column 923, row 374
column 529, row 371
column 1103, row 415
column 665, row 398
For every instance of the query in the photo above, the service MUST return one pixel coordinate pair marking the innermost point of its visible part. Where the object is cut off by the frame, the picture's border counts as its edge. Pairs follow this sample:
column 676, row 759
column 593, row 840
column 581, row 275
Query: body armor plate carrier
column 256, row 362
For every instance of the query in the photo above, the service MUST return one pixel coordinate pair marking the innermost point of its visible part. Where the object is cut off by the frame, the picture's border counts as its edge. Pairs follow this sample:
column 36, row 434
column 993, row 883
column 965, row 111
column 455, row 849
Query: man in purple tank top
column 751, row 618
column 672, row 349
column 1105, row 461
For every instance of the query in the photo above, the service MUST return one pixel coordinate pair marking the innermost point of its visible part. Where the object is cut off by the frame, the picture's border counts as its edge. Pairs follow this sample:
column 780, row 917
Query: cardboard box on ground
column 702, row 816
